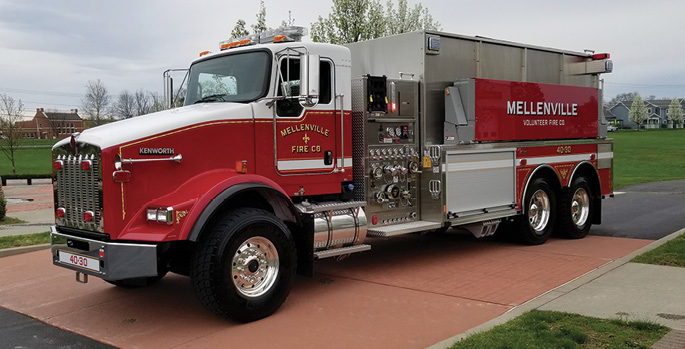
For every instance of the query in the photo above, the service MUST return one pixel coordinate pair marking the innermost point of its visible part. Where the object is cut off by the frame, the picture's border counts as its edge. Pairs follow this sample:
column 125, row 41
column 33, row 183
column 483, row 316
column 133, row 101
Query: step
column 404, row 228
column 328, row 206
column 342, row 251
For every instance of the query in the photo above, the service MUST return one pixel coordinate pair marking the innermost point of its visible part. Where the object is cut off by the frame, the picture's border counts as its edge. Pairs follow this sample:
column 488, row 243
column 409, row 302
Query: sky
column 49, row 50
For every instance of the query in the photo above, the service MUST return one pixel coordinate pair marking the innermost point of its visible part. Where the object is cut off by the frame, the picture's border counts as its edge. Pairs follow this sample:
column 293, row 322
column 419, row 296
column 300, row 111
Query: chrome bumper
column 107, row 260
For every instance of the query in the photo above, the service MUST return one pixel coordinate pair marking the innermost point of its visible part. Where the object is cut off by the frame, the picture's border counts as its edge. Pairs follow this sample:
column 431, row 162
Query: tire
column 536, row 223
column 575, row 209
column 243, row 268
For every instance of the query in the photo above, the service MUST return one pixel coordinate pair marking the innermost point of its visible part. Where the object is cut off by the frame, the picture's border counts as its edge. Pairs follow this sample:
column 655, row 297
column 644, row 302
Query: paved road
column 644, row 211
column 20, row 331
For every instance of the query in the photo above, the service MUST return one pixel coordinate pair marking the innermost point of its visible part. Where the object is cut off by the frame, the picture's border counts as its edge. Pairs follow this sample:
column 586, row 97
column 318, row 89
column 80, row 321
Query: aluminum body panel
column 479, row 181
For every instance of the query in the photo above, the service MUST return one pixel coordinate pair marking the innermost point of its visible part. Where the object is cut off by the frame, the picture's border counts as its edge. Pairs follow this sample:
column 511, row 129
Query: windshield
column 241, row 77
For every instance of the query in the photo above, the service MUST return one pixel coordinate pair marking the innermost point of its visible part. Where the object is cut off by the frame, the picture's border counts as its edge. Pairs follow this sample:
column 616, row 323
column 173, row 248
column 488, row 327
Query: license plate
column 79, row 261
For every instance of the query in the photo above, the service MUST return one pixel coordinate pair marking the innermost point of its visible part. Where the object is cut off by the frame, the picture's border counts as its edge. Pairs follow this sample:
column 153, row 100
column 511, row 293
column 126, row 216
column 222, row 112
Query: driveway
column 410, row 291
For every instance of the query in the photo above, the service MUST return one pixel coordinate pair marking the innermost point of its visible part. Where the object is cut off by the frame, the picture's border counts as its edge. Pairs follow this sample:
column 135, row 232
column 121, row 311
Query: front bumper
column 107, row 260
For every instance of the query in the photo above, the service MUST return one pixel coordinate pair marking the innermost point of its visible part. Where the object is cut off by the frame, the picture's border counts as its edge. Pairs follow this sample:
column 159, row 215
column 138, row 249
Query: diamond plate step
column 329, row 206
column 342, row 251
column 404, row 228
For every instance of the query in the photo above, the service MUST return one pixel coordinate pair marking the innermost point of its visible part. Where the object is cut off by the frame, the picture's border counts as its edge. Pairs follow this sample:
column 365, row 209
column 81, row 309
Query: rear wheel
column 536, row 224
column 243, row 269
column 575, row 210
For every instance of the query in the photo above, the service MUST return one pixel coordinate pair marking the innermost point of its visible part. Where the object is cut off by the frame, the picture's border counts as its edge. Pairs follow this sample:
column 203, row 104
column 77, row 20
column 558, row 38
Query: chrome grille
column 78, row 191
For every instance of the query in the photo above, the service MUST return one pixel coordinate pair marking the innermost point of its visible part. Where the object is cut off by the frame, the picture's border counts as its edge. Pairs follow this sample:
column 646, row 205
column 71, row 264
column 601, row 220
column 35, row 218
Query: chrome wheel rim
column 580, row 207
column 254, row 268
column 539, row 211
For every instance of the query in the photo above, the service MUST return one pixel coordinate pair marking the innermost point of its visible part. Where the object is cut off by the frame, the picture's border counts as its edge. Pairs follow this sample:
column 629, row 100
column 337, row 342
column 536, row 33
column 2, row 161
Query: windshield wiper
column 212, row 98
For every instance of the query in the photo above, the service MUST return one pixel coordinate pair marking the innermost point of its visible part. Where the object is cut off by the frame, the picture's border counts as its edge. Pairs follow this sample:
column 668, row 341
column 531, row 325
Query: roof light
column 599, row 56
column 204, row 53
column 283, row 34
column 86, row 165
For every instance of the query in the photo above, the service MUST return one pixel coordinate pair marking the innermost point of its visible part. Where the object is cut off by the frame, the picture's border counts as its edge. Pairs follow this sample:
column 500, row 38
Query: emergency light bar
column 282, row 34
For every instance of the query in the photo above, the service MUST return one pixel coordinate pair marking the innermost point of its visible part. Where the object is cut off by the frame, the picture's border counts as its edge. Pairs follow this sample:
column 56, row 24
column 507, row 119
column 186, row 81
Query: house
column 657, row 111
column 51, row 124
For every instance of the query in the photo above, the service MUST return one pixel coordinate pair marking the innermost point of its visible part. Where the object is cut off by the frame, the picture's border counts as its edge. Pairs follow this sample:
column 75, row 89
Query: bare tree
column 143, row 102
column 12, row 112
column 157, row 102
column 96, row 102
column 125, row 106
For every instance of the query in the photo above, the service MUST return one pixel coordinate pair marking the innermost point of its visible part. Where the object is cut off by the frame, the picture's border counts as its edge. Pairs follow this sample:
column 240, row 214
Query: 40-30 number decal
column 564, row 149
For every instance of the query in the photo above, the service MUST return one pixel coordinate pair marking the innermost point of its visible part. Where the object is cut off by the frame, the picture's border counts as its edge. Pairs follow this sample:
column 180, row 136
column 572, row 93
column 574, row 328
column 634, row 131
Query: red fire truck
column 287, row 152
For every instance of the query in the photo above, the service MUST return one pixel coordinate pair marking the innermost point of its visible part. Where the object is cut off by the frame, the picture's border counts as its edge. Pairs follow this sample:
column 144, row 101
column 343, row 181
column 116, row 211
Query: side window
column 289, row 80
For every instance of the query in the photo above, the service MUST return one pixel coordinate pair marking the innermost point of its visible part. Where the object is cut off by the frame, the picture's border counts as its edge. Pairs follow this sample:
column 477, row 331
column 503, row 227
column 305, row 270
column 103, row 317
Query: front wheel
column 536, row 224
column 243, row 269
column 575, row 210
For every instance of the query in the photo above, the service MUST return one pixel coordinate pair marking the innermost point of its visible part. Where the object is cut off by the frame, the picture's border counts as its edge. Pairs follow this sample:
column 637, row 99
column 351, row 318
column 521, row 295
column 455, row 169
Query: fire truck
column 286, row 152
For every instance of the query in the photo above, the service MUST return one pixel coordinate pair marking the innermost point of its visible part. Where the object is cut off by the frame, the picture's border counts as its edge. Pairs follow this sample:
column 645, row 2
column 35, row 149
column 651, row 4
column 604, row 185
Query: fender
column 269, row 190
column 595, row 172
column 532, row 175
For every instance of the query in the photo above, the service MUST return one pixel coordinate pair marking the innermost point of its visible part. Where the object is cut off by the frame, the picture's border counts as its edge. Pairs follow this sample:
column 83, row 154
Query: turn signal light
column 58, row 165
column 88, row 216
column 60, row 212
column 241, row 166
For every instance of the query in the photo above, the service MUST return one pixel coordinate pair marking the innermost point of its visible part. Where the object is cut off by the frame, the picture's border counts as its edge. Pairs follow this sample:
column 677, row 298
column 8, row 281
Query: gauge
column 391, row 132
column 377, row 172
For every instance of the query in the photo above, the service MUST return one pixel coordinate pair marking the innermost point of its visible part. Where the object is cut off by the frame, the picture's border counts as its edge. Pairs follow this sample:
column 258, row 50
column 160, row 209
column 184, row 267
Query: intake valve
column 393, row 170
column 401, row 169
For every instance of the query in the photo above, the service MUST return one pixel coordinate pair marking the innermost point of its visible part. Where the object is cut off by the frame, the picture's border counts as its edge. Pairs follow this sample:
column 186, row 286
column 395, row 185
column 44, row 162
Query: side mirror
column 168, row 90
column 309, row 80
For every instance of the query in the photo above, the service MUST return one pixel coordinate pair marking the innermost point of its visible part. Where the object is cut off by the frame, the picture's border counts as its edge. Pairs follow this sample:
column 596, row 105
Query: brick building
column 51, row 124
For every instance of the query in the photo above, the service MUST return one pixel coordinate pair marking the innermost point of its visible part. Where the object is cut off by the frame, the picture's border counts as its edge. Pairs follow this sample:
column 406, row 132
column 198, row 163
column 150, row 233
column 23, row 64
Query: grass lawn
column 671, row 253
column 10, row 220
column 34, row 158
column 24, row 240
column 648, row 156
column 549, row 329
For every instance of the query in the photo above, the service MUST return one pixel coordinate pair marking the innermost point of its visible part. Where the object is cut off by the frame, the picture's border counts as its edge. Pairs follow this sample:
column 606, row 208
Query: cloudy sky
column 50, row 49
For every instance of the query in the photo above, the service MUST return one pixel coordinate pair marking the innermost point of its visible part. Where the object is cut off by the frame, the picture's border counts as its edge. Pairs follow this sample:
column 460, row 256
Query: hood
column 138, row 127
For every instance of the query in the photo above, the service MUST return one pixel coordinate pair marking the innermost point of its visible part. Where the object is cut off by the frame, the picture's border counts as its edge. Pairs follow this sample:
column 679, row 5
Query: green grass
column 24, row 240
column 671, row 253
column 29, row 160
column 648, row 156
column 10, row 220
column 548, row 329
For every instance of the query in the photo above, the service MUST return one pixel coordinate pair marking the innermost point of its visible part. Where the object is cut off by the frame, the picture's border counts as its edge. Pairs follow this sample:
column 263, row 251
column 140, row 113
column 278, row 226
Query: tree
column 621, row 97
column 12, row 112
column 356, row 20
column 142, row 102
column 124, row 107
column 261, row 19
column 675, row 112
column 638, row 111
column 239, row 30
column 96, row 102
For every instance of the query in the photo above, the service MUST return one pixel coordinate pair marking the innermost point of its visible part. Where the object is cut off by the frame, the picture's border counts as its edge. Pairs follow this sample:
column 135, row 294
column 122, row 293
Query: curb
column 24, row 249
column 555, row 293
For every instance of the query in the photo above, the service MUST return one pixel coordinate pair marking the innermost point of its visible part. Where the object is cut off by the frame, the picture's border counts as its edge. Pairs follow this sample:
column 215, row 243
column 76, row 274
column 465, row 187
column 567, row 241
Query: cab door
column 306, row 138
